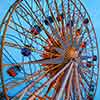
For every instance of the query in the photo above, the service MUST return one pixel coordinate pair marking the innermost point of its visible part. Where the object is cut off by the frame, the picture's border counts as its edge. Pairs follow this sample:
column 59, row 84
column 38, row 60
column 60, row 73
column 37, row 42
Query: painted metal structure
column 48, row 51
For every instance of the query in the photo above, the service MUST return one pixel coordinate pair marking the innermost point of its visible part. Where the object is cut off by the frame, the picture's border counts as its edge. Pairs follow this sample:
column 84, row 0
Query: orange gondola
column 60, row 17
column 78, row 32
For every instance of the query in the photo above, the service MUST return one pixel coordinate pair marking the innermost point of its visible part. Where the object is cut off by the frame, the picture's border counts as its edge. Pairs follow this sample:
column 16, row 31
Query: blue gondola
column 49, row 18
column 94, row 58
column 26, row 51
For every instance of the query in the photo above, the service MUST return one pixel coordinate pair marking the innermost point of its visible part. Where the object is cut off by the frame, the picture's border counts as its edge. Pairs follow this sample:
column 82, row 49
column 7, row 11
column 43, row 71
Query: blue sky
column 93, row 7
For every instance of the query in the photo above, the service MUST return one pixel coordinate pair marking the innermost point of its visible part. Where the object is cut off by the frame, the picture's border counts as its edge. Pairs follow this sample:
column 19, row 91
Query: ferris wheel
column 48, row 51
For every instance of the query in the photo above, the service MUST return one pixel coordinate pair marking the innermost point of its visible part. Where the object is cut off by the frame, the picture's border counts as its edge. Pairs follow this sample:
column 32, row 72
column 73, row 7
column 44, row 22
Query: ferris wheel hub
column 70, row 53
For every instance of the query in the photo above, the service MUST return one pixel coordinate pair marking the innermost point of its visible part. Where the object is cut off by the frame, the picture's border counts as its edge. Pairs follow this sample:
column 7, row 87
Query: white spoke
column 21, row 97
column 42, row 61
column 77, row 83
column 59, row 50
column 60, row 93
column 69, row 86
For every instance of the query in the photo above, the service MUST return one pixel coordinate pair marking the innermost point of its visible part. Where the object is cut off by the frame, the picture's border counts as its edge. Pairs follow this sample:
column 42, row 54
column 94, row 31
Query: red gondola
column 89, row 65
column 89, row 98
column 11, row 72
column 35, row 30
column 83, row 45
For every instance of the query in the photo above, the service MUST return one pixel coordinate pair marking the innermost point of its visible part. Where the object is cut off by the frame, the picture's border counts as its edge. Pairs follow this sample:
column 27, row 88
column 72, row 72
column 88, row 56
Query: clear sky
column 93, row 7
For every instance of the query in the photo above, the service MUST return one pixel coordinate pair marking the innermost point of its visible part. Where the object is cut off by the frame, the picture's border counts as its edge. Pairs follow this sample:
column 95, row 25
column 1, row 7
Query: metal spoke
column 42, row 61
column 77, row 83
column 59, row 94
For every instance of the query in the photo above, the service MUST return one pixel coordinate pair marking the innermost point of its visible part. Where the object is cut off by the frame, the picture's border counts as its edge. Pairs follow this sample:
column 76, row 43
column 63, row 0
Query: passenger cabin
column 94, row 58
column 60, row 17
column 36, row 30
column 48, row 20
column 13, row 71
column 92, row 86
column 83, row 45
column 89, row 64
column 70, row 24
column 78, row 32
column 90, row 96
column 86, row 21
column 25, row 51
